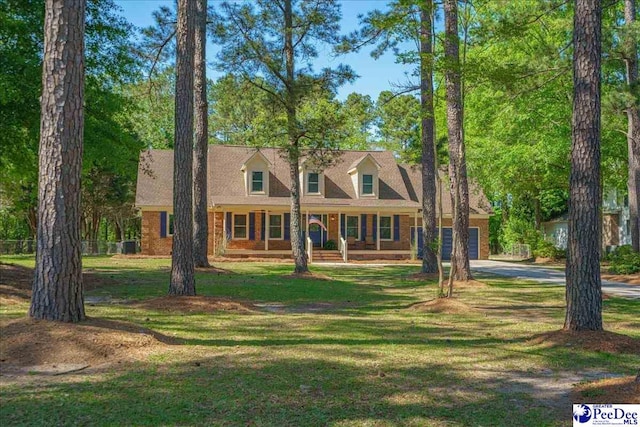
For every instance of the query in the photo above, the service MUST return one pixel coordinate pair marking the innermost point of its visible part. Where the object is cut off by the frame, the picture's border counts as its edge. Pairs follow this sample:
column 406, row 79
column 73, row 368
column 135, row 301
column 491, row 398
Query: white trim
column 268, row 226
column 260, row 192
column 373, row 187
column 233, row 226
column 390, row 227
column 346, row 226
column 309, row 192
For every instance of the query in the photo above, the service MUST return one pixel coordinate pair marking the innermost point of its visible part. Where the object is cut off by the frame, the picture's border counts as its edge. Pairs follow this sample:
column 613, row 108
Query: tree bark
column 295, row 226
column 584, row 293
column 182, row 268
column 57, row 285
column 200, row 220
column 429, row 236
column 633, row 125
column 457, row 161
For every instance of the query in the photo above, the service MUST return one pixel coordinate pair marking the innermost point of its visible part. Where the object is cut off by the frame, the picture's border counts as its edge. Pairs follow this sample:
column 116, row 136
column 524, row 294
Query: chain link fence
column 89, row 247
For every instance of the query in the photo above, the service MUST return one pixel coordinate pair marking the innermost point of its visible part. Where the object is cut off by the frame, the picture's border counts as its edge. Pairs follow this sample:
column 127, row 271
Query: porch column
column 307, row 228
column 339, row 225
column 378, row 231
column 266, row 230
column 415, row 233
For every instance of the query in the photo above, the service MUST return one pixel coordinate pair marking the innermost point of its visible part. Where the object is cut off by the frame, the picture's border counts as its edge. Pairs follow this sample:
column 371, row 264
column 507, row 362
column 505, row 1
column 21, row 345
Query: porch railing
column 309, row 250
column 343, row 247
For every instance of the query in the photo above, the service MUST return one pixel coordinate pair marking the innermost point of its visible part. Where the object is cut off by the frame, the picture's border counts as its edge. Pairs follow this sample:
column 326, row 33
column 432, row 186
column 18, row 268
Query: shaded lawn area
column 349, row 350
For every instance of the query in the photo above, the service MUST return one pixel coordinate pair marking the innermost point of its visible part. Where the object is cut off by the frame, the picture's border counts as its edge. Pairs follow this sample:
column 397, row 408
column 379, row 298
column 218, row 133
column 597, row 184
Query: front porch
column 355, row 235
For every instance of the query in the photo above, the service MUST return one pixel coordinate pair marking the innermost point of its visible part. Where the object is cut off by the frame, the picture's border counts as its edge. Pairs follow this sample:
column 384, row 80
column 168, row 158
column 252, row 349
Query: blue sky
column 375, row 75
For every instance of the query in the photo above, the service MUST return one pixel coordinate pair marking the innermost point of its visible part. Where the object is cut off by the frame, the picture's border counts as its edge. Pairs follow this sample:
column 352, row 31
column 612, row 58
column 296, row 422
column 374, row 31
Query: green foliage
column 518, row 230
column 623, row 260
column 330, row 245
column 545, row 249
column 109, row 140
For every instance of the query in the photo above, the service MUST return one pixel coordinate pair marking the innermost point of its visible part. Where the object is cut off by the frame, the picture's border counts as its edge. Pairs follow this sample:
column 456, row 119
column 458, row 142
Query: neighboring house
column 366, row 201
column 615, row 223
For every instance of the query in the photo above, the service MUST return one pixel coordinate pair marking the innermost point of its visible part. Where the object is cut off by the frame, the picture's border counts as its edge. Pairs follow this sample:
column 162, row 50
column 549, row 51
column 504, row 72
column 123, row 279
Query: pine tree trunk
column 57, row 284
column 633, row 126
column 182, row 269
column 297, row 241
column 584, row 293
column 200, row 220
column 429, row 236
column 457, row 161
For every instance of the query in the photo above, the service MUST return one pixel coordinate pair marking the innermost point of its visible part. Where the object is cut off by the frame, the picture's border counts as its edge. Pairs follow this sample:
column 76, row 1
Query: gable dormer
column 364, row 176
column 256, row 174
column 311, row 179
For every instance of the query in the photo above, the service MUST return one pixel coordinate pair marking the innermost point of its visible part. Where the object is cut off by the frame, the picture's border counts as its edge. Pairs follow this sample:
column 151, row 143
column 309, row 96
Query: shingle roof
column 399, row 185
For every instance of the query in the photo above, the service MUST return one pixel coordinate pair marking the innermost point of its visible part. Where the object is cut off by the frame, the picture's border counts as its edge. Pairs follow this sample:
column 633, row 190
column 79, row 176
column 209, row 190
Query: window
column 367, row 184
column 170, row 226
column 275, row 226
column 386, row 231
column 353, row 229
column 313, row 183
column 239, row 226
column 257, row 183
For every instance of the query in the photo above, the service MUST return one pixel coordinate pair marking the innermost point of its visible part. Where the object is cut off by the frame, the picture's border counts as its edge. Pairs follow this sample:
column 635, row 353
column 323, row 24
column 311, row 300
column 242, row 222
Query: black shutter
column 396, row 228
column 252, row 226
column 363, row 227
column 263, row 226
column 287, row 226
column 343, row 225
column 163, row 224
column 228, row 226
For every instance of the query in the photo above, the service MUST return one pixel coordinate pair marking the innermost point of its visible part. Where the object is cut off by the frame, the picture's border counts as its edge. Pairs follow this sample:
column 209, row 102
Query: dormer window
column 367, row 184
column 257, row 182
column 255, row 170
column 313, row 183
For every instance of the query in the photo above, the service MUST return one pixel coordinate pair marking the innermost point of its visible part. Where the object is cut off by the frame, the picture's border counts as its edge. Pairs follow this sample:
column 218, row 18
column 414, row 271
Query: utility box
column 129, row 247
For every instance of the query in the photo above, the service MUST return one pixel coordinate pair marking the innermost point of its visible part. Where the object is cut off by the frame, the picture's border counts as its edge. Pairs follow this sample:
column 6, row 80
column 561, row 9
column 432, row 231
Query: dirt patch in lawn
column 612, row 390
column 16, row 282
column 442, row 305
column 28, row 342
column 604, row 341
column 630, row 279
column 197, row 304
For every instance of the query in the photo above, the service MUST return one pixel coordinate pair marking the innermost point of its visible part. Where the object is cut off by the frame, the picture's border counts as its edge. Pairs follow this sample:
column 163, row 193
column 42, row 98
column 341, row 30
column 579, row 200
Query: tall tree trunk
column 457, row 161
column 429, row 237
column 584, row 292
column 200, row 220
column 633, row 124
column 297, row 241
column 57, row 285
column 182, row 269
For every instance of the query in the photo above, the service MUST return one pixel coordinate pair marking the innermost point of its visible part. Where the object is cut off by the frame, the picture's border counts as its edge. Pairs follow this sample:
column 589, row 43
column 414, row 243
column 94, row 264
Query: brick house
column 366, row 204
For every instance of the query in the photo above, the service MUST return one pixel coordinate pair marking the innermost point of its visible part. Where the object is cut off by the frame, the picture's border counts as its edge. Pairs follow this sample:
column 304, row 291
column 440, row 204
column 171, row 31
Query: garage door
column 447, row 242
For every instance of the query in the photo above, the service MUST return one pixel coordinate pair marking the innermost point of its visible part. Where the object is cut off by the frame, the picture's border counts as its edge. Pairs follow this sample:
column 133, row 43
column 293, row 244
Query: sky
column 375, row 75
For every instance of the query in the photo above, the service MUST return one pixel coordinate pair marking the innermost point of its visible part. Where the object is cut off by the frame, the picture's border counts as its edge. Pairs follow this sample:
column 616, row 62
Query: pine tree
column 584, row 288
column 182, row 267
column 57, row 285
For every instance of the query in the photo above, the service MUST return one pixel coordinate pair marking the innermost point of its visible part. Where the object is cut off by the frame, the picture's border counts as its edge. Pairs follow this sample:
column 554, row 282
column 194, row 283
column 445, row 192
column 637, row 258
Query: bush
column 330, row 245
column 545, row 249
column 623, row 260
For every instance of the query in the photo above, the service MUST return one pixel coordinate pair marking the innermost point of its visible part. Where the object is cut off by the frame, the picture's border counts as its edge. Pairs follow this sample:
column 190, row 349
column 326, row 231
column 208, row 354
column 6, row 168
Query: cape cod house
column 367, row 204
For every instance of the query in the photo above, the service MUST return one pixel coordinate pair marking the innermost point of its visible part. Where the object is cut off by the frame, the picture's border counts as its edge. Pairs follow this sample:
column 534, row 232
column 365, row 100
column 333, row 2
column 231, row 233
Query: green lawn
column 345, row 351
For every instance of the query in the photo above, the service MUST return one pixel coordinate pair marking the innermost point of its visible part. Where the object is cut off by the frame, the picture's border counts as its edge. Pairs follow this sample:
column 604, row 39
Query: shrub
column 545, row 249
column 330, row 245
column 623, row 260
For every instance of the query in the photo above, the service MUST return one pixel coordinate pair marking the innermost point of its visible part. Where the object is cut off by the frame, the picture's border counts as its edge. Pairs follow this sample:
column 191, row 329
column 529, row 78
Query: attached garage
column 447, row 242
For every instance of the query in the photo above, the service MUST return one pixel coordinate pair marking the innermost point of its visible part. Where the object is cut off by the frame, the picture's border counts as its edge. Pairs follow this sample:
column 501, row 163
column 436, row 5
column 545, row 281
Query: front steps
column 321, row 255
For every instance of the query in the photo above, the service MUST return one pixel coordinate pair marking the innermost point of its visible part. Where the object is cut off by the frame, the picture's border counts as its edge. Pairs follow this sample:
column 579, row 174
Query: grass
column 364, row 359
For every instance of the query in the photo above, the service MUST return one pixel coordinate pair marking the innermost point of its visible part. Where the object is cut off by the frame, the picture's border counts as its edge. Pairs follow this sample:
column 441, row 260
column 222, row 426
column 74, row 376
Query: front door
column 316, row 232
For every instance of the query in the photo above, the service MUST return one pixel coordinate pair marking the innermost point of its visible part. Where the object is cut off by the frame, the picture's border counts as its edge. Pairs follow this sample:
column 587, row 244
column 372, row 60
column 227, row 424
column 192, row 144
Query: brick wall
column 153, row 244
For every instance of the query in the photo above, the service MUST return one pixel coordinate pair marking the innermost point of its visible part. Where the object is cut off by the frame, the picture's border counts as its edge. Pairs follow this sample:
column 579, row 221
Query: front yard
column 349, row 346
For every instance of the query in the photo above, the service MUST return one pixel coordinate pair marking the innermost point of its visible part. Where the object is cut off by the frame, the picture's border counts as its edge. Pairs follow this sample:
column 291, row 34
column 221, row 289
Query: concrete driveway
column 548, row 275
